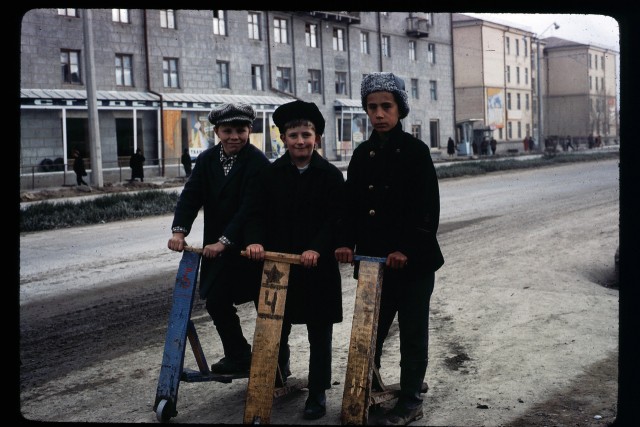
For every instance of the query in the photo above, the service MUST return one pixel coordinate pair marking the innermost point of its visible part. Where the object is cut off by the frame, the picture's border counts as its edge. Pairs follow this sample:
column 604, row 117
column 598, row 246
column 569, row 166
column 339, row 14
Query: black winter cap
column 298, row 110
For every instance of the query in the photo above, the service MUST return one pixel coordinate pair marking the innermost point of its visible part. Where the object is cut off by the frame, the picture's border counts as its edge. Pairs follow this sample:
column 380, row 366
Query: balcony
column 418, row 27
column 343, row 17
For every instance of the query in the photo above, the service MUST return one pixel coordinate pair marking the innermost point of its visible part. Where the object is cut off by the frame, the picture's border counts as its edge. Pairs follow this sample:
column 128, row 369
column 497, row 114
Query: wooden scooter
column 363, row 387
column 181, row 328
column 266, row 341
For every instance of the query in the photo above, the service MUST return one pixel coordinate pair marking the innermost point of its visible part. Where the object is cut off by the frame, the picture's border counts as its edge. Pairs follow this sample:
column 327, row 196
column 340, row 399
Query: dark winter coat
column 224, row 200
column 295, row 212
column 78, row 166
column 394, row 201
column 136, row 163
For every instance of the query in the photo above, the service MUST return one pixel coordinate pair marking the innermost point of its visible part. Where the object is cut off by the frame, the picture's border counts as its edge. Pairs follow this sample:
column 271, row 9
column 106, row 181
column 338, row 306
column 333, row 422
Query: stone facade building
column 158, row 73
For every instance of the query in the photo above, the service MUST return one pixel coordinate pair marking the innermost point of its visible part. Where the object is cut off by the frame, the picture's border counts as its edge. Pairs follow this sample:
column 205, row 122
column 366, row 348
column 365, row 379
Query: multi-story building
column 494, row 78
column 498, row 89
column 158, row 73
column 581, row 91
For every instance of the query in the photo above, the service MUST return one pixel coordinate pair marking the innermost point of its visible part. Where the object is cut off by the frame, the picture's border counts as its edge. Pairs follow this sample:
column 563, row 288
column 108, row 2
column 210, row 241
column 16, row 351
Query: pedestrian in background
column 136, row 163
column 186, row 162
column 451, row 147
column 297, row 211
column 219, row 185
column 393, row 212
column 79, row 169
column 494, row 145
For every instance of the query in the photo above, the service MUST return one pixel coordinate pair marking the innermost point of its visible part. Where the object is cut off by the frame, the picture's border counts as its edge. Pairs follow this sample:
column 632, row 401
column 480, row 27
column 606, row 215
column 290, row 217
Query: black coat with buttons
column 393, row 201
column 295, row 212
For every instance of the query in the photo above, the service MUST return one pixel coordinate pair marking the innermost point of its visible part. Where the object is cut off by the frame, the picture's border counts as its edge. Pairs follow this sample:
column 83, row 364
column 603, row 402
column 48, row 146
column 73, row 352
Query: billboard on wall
column 200, row 133
column 495, row 108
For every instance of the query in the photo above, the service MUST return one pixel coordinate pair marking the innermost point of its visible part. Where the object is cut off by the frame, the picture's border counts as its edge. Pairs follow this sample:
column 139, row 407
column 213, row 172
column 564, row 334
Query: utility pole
column 539, row 86
column 92, row 108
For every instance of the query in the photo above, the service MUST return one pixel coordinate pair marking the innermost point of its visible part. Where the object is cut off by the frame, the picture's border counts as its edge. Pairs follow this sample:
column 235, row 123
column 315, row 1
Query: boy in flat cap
column 219, row 183
column 393, row 212
column 297, row 212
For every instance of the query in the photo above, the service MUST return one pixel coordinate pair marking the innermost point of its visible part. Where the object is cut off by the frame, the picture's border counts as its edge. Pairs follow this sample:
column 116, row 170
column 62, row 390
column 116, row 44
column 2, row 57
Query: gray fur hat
column 227, row 113
column 388, row 82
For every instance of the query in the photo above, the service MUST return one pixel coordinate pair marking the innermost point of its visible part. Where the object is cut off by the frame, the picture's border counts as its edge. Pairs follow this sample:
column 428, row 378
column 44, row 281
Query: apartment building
column 494, row 78
column 581, row 91
column 498, row 90
column 159, row 72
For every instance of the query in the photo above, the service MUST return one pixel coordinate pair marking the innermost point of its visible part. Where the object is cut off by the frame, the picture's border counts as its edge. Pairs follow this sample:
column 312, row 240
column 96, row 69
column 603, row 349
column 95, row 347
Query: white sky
column 600, row 30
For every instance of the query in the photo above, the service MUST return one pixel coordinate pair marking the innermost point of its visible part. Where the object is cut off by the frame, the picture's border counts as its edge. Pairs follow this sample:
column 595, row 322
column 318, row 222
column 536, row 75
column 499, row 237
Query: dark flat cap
column 227, row 113
column 298, row 110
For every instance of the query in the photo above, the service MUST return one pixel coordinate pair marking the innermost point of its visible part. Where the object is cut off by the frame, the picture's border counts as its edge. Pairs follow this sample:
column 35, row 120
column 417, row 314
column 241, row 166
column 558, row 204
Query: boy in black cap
column 393, row 212
column 219, row 183
column 297, row 212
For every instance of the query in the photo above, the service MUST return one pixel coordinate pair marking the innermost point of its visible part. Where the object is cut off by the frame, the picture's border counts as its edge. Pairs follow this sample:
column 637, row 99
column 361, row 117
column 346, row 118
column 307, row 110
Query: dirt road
column 524, row 317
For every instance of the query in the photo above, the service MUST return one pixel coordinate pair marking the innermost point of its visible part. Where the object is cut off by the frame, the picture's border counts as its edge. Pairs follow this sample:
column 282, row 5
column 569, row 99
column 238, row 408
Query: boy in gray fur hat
column 219, row 184
column 393, row 211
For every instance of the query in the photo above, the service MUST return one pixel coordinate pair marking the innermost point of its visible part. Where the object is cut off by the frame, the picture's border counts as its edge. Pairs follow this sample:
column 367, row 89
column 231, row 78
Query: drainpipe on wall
column 159, row 95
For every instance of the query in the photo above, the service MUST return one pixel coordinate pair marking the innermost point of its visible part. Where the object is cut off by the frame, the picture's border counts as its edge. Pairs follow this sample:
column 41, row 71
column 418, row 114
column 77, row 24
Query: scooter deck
column 261, row 389
column 176, row 337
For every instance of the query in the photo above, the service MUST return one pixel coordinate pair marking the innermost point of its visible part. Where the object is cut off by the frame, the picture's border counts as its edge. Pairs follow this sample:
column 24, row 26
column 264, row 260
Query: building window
column 508, row 72
column 596, row 79
column 519, row 130
column 412, row 50
column 386, row 46
column 509, row 130
column 434, row 133
column 253, row 24
column 416, row 131
column 433, row 90
column 170, row 72
column 338, row 39
column 518, row 101
column 524, row 46
column 364, row 42
column 70, row 62
column 68, row 12
column 341, row 83
column 589, row 60
column 256, row 77
column 314, row 81
column 311, row 35
column 431, row 53
column 280, row 30
column 223, row 73
column 518, row 75
column 414, row 88
column 595, row 61
column 124, row 70
column 120, row 15
column 219, row 23
column 602, row 82
column 526, row 101
column 506, row 45
column 283, row 79
column 602, row 62
column 526, row 76
column 517, row 47
column 590, row 83
column 167, row 18
column 527, row 129
column 508, row 101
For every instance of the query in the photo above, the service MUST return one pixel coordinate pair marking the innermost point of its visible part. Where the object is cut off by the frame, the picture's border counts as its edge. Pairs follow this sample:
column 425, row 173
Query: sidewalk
column 176, row 184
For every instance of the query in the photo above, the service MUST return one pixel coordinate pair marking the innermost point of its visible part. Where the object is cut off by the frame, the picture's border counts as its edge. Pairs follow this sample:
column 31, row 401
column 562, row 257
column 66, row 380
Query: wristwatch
column 224, row 241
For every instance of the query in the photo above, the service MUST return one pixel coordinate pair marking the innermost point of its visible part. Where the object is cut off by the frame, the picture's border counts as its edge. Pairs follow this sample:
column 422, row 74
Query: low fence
column 62, row 175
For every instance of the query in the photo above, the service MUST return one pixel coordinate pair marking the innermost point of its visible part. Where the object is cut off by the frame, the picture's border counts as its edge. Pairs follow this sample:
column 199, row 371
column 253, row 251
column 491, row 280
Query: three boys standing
column 388, row 207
